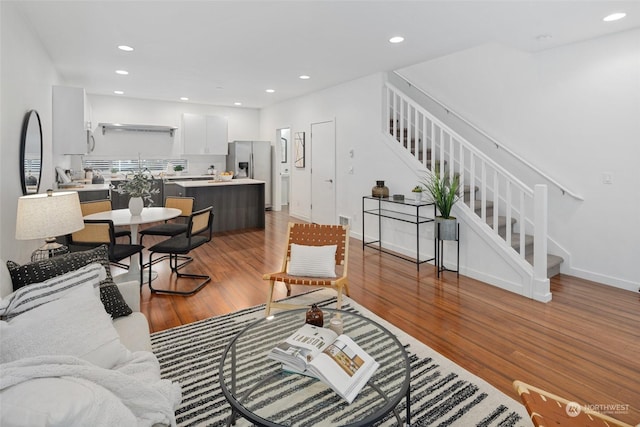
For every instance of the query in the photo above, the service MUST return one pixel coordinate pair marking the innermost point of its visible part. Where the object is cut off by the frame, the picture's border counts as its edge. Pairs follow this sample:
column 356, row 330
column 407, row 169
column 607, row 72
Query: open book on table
column 334, row 359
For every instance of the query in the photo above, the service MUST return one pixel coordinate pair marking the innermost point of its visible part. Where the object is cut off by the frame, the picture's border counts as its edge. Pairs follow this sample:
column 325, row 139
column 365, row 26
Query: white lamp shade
column 41, row 215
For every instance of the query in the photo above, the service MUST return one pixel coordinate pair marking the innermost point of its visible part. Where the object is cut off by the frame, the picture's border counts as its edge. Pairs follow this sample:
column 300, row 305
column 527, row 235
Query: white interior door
column 323, row 173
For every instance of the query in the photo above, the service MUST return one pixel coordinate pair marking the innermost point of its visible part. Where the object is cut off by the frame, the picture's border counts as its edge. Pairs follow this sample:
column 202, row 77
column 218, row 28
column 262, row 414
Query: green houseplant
column 139, row 187
column 444, row 192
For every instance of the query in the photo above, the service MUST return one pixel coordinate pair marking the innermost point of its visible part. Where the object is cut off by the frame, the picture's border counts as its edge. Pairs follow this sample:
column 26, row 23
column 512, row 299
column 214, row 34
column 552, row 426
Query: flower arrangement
column 140, row 185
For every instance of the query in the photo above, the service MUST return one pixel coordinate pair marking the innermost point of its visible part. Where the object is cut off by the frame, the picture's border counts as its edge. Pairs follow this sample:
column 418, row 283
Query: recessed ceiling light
column 122, row 72
column 237, row 103
column 125, row 48
column 118, row 92
column 305, row 77
column 270, row 90
column 614, row 16
column 184, row 98
column 543, row 37
column 396, row 39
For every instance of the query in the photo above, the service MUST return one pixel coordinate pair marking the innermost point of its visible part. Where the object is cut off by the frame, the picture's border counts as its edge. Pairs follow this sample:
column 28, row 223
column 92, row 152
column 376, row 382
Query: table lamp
column 47, row 216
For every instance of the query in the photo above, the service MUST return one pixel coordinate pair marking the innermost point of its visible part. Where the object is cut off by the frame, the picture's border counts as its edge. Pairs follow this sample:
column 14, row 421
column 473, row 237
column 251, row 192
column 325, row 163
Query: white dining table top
column 124, row 217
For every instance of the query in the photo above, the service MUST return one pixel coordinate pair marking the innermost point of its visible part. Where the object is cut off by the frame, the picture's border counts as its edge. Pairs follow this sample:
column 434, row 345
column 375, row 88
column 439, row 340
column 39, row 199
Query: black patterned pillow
column 40, row 271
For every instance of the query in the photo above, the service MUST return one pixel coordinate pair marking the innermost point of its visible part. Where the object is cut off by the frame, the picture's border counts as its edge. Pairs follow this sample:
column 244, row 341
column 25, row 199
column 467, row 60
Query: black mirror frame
column 23, row 146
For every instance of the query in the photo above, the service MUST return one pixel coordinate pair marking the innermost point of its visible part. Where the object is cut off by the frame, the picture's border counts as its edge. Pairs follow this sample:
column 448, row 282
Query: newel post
column 541, row 286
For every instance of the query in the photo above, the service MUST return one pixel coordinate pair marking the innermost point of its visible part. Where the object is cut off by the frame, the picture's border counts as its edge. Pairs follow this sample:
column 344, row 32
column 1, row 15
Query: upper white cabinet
column 204, row 134
column 71, row 121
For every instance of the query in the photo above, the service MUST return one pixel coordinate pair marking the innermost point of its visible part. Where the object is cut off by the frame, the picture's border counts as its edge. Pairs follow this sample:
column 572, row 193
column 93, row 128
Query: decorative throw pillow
column 74, row 325
column 313, row 261
column 39, row 271
column 37, row 294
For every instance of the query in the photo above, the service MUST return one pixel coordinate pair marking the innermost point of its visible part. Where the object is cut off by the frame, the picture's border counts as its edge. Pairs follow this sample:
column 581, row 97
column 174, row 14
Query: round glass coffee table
column 259, row 389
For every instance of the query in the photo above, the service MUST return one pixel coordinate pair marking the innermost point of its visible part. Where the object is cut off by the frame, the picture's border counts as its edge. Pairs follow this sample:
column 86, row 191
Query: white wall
column 355, row 107
column 243, row 124
column 26, row 78
column 573, row 112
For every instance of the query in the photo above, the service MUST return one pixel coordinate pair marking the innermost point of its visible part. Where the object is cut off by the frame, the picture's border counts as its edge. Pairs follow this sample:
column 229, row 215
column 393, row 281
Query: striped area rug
column 442, row 393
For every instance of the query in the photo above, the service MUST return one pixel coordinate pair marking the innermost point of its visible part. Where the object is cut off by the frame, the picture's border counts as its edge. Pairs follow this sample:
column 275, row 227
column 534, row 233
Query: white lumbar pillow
column 313, row 261
column 75, row 324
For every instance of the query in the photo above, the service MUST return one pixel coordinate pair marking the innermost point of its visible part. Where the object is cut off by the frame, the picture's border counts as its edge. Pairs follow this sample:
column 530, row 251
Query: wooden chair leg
column 269, row 298
column 339, row 301
column 346, row 289
column 288, row 289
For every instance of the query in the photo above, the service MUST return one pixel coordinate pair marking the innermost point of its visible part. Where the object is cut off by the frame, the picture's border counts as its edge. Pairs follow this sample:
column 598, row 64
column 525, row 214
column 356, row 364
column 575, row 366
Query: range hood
column 122, row 127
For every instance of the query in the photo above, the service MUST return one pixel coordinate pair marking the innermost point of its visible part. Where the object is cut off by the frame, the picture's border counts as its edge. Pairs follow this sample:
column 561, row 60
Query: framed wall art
column 298, row 152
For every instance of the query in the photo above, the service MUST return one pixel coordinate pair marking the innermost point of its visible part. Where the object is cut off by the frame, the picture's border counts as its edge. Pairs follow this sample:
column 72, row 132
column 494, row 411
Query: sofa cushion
column 75, row 324
column 39, row 271
column 33, row 296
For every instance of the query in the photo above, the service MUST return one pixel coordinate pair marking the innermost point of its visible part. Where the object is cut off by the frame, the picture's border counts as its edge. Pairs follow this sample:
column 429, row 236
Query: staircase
column 504, row 205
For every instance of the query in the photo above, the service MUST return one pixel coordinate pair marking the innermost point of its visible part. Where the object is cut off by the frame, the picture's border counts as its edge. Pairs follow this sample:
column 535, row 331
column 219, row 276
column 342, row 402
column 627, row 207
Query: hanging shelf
column 136, row 128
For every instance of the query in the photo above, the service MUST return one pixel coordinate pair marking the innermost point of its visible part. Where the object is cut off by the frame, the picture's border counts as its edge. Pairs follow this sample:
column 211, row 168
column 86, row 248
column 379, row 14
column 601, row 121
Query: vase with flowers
column 139, row 187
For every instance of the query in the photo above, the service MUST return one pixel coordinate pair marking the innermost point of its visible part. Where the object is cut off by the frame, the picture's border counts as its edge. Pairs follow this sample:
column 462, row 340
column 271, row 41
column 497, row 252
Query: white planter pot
column 418, row 196
column 136, row 204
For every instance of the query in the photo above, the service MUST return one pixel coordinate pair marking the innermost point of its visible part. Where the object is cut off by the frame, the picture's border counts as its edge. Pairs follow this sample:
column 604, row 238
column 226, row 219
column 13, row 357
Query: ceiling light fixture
column 122, row 72
column 304, row 77
column 237, row 103
column 184, row 98
column 270, row 90
column 125, row 48
column 543, row 37
column 118, row 92
column 396, row 39
column 614, row 17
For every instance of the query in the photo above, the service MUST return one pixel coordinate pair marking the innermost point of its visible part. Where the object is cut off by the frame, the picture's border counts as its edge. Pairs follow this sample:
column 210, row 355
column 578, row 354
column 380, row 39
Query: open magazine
column 334, row 359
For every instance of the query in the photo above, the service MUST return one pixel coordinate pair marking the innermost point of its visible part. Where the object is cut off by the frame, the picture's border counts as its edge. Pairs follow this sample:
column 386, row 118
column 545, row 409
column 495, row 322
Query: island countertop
column 237, row 204
column 211, row 183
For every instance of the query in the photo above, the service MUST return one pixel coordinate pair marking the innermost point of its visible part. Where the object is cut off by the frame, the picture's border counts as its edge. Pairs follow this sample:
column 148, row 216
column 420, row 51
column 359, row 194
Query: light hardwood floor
column 583, row 345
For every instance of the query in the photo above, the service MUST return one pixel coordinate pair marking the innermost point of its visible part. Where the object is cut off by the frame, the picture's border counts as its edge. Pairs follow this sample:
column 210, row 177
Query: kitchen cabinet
column 71, row 121
column 204, row 134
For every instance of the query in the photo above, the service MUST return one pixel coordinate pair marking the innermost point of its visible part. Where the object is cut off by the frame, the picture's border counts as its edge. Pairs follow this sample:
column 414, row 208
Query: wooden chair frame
column 547, row 409
column 312, row 235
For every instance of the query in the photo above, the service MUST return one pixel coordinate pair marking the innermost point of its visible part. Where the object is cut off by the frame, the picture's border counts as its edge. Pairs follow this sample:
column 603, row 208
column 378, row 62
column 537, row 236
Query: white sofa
column 133, row 329
column 59, row 390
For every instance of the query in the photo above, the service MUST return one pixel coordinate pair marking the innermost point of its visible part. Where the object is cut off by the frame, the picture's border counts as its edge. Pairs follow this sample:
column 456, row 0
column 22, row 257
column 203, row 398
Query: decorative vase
column 315, row 316
column 447, row 228
column 136, row 204
column 380, row 190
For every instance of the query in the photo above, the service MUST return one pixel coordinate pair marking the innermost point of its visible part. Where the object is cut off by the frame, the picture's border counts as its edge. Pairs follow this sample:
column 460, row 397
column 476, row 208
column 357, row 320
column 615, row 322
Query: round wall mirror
column 31, row 153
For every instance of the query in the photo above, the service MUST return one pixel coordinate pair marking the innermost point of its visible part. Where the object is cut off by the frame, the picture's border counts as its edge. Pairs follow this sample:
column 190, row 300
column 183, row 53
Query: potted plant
column 417, row 193
column 178, row 169
column 114, row 172
column 444, row 192
column 139, row 187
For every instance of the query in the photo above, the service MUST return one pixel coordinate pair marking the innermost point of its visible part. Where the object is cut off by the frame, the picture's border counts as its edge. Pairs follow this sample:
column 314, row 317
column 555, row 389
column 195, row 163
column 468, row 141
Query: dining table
column 123, row 217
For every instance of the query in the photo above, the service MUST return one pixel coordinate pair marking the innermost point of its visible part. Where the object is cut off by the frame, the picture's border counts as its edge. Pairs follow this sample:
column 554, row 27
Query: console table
column 407, row 210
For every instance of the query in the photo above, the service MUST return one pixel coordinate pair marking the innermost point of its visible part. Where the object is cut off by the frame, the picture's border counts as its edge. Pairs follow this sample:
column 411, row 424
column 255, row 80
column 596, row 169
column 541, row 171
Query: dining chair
column 199, row 231
column 95, row 206
column 97, row 232
column 315, row 255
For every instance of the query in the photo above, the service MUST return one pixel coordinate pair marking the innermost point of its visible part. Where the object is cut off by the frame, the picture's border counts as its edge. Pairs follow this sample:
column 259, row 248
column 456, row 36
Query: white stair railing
column 490, row 187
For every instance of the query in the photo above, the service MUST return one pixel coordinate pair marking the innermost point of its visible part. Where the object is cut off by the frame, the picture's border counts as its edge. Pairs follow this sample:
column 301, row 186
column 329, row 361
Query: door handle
column 328, row 180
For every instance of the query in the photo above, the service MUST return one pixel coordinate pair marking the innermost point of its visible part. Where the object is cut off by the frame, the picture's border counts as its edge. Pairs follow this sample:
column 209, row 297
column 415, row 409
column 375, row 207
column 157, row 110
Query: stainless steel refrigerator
column 252, row 159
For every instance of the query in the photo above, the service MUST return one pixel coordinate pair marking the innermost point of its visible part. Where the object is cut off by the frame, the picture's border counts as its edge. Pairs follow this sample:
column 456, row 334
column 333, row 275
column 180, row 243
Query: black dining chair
column 174, row 227
column 97, row 232
column 199, row 232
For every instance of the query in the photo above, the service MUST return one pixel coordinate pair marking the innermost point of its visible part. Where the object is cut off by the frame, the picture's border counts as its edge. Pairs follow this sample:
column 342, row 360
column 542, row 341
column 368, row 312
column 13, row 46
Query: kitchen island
column 237, row 204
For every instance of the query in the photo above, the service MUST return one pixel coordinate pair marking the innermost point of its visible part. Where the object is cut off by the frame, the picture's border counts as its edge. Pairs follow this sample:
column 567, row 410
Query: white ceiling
column 220, row 52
